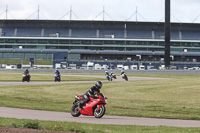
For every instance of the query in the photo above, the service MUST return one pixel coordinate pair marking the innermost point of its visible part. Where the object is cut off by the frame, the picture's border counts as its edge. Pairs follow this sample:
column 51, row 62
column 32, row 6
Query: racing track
column 64, row 82
column 107, row 119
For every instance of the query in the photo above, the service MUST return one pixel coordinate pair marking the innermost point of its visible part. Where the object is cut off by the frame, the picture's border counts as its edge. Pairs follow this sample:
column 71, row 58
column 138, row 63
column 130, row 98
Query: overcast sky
column 119, row 10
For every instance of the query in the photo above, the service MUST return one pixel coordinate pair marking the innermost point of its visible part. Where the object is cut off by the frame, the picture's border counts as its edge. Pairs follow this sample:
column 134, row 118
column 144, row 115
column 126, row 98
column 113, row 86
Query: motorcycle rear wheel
column 75, row 111
column 126, row 78
column 99, row 113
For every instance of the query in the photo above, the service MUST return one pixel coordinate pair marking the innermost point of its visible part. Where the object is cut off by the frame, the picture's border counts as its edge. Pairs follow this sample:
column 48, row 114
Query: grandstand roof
column 96, row 24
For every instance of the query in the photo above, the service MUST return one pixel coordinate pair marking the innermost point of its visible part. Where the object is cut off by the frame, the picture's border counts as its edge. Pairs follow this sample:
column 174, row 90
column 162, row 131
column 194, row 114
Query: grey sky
column 120, row 10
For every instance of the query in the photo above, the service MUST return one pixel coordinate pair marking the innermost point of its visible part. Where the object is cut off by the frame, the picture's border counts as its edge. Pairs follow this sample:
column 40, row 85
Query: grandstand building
column 98, row 40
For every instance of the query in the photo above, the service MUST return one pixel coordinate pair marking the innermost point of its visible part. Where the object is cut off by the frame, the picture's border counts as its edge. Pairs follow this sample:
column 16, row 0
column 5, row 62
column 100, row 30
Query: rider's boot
column 80, row 104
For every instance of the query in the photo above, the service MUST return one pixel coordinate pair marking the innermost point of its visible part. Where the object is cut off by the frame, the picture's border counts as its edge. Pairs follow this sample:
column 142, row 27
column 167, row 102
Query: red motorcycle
column 95, row 107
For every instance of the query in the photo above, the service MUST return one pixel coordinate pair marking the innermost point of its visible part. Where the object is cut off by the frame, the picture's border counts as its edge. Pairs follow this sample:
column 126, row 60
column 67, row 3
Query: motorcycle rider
column 113, row 75
column 91, row 92
column 106, row 73
column 57, row 75
column 124, row 76
column 26, row 74
column 26, row 71
column 57, row 72
column 122, row 72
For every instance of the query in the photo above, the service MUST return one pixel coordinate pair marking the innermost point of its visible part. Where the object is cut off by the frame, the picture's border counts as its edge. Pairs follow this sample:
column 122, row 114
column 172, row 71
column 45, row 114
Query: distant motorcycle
column 57, row 77
column 113, row 76
column 26, row 77
column 124, row 76
column 109, row 78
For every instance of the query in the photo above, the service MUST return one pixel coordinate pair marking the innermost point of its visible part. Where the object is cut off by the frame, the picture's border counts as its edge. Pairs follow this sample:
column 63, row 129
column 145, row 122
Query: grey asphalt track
column 65, row 82
column 107, row 119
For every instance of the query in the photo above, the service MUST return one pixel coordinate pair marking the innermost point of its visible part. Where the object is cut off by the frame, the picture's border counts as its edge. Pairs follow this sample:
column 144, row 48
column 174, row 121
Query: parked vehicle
column 90, row 65
column 125, row 67
column 26, row 77
column 95, row 107
column 97, row 67
column 120, row 67
column 134, row 67
column 149, row 67
column 194, row 68
column 141, row 67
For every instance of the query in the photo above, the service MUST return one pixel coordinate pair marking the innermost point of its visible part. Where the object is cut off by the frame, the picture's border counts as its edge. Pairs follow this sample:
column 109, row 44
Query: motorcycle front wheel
column 75, row 111
column 99, row 113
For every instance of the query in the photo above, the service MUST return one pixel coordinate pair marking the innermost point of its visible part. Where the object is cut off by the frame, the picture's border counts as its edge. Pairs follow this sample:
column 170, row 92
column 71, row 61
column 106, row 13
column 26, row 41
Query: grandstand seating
column 102, row 33
column 105, row 33
column 51, row 32
column 83, row 32
column 189, row 34
column 175, row 35
column 27, row 32
column 8, row 31
column 159, row 34
column 141, row 34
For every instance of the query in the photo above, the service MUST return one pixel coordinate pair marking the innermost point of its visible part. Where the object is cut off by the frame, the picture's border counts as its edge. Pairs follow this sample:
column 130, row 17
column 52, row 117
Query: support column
column 167, row 33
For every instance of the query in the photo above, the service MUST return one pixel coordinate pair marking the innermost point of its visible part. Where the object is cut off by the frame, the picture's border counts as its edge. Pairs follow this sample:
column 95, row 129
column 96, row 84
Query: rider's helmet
column 98, row 84
column 107, row 72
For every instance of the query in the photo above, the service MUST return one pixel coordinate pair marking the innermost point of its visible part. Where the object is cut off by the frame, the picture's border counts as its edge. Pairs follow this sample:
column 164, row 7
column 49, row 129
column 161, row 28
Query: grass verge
column 177, row 97
column 4, row 77
column 25, row 61
column 90, row 128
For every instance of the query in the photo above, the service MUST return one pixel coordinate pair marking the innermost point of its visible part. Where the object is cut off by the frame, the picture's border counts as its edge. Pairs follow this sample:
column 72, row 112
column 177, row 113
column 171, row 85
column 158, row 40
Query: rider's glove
column 96, row 96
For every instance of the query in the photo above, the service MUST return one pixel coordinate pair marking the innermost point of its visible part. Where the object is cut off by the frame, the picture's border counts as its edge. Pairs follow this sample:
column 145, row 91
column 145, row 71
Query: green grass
column 91, row 128
column 25, row 61
column 177, row 97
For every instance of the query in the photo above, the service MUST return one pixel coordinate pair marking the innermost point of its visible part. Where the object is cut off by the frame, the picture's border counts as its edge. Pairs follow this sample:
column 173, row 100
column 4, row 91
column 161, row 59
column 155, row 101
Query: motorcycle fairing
column 88, row 110
column 99, row 106
column 80, row 96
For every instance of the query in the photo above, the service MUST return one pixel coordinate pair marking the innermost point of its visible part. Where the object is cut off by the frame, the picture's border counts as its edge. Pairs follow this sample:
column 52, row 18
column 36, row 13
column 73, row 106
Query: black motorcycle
column 109, row 78
column 57, row 77
column 113, row 76
column 124, row 76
